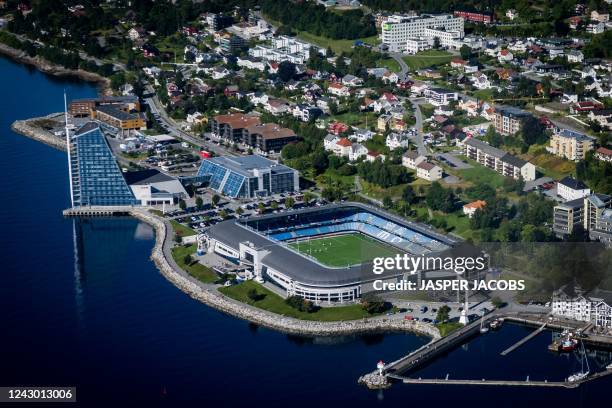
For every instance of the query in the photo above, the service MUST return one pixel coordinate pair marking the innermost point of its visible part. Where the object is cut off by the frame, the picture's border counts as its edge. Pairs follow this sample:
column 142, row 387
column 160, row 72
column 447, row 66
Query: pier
column 398, row 370
column 97, row 211
column 523, row 340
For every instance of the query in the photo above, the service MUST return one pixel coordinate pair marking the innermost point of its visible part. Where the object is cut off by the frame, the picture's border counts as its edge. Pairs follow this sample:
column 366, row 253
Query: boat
column 609, row 366
column 483, row 329
column 568, row 344
column 495, row 324
column 582, row 374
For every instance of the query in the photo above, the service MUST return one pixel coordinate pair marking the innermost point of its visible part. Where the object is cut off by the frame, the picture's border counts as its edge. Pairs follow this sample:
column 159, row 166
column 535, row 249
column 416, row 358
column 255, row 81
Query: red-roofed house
column 604, row 154
column 470, row 208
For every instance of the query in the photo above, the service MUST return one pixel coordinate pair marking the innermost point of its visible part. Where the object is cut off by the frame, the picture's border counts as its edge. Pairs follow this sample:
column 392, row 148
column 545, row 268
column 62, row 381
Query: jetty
column 97, row 211
column 523, row 340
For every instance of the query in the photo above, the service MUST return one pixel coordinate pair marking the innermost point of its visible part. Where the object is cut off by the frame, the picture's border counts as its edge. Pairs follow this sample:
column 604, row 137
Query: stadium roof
column 303, row 269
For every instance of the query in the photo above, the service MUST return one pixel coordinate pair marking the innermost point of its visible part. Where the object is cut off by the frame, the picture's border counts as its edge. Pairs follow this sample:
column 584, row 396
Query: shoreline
column 210, row 296
column 48, row 68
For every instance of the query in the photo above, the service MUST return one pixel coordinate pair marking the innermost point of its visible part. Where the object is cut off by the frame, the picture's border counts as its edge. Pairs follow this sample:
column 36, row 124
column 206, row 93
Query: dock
column 523, row 340
column 399, row 370
column 97, row 211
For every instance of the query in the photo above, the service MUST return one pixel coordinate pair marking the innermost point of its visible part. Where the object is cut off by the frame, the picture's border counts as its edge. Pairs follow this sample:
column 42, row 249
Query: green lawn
column 182, row 230
column 447, row 328
column 428, row 58
column 343, row 250
column 337, row 46
column 480, row 174
column 272, row 302
column 195, row 269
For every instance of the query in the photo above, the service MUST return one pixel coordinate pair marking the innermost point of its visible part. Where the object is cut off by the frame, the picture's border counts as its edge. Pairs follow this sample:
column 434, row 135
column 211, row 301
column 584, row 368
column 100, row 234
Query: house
column 571, row 189
column 396, row 140
column 362, row 135
column 276, row 107
column 373, row 156
column 352, row 80
column 411, row 159
column 601, row 17
column 458, row 63
column 390, row 77
column 257, row 98
column 604, row 154
column 231, row 90
column 382, row 122
column 338, row 89
column 504, row 56
column 596, row 28
column 342, row 147
column 512, row 14
column 585, row 106
column 136, row 33
column 337, row 128
column 357, row 151
column 603, row 117
column 439, row 96
column 574, row 56
column 470, row 209
column 329, row 141
column 306, row 113
column 480, row 81
column 428, row 171
column 570, row 302
column 219, row 72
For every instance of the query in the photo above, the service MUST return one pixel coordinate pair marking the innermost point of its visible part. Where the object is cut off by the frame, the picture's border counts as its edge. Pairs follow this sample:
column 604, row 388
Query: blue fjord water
column 81, row 304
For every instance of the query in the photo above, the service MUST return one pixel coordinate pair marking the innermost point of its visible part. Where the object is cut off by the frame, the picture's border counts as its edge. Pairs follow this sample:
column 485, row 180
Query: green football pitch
column 344, row 250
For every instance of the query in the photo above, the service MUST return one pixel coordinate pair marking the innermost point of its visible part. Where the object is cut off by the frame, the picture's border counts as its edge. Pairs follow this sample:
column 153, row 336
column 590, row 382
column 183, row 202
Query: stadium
column 325, row 254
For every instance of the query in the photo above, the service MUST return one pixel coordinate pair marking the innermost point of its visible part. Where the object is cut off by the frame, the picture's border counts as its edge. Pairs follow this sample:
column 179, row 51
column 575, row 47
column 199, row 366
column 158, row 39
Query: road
column 419, row 126
column 403, row 74
column 157, row 110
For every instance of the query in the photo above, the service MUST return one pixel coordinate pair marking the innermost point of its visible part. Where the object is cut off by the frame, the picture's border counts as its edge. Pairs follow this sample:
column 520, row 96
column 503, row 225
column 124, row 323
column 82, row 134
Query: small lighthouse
column 380, row 366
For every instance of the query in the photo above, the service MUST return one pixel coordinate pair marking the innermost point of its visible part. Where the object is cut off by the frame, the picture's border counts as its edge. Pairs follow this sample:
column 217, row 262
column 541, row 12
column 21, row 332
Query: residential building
column 396, row 140
column 231, row 44
column 398, row 29
column 338, row 89
column 268, row 137
column 414, row 45
column 86, row 107
column 508, row 119
column 604, row 154
column 475, row 17
column 498, row 160
column 570, row 302
column 411, row 159
column 570, row 145
column 571, row 189
column 428, row 171
column 470, row 209
column 575, row 56
column 582, row 211
column 603, row 228
column 439, row 96
column 594, row 206
column 306, row 113
column 232, row 127
column 248, row 176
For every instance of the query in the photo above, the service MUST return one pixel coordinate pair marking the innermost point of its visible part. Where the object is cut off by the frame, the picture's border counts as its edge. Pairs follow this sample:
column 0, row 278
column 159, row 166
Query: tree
column 187, row 259
column 436, row 42
column 182, row 204
column 215, row 199
column 465, row 51
column 289, row 202
column 443, row 312
column 301, row 304
column 274, row 205
column 440, row 199
column 261, row 208
column 253, row 295
column 374, row 305
column 199, row 202
column 286, row 70
column 387, row 202
column 308, row 197
column 532, row 131
column 408, row 194
column 239, row 211
column 178, row 239
column 497, row 302
column 223, row 214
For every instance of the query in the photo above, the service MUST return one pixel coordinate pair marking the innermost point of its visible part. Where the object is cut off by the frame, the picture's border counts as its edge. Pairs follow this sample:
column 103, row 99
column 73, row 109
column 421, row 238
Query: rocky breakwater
column 36, row 128
column 209, row 295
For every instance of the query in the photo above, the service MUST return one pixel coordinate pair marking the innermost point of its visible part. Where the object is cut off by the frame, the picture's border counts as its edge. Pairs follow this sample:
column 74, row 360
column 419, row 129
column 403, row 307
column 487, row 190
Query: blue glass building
column 248, row 176
column 96, row 179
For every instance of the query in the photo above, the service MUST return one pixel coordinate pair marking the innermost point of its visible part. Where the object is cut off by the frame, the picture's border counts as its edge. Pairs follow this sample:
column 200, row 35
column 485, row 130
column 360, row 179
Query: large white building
column 571, row 303
column 285, row 48
column 398, row 29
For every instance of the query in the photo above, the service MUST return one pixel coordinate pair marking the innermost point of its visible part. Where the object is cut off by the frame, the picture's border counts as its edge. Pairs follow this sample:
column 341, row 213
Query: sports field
column 344, row 250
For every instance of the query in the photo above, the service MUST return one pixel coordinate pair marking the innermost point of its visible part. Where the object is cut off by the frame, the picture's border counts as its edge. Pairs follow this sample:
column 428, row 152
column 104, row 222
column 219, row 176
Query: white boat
column 483, row 329
column 582, row 374
column 609, row 366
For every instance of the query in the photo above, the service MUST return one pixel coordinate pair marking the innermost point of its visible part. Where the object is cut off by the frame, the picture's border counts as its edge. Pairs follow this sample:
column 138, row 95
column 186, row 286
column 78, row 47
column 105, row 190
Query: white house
column 362, row 135
column 571, row 189
column 504, row 56
column 575, row 56
column 512, row 14
column 439, row 96
column 338, row 90
column 470, row 209
column 352, row 80
column 428, row 171
column 396, row 140
column 411, row 159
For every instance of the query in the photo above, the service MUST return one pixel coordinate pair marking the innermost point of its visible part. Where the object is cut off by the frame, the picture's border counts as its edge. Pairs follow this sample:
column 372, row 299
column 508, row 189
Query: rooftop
column 237, row 120
column 245, row 165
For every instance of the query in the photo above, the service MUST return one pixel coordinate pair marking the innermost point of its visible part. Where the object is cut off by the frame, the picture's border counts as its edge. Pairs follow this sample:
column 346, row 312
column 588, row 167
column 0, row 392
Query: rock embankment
column 209, row 295
column 31, row 128
column 52, row 69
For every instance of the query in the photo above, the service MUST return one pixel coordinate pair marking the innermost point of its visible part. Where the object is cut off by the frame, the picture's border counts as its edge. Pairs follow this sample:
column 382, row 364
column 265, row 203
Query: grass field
column 428, row 58
column 270, row 301
column 343, row 250
column 195, row 269
column 182, row 230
